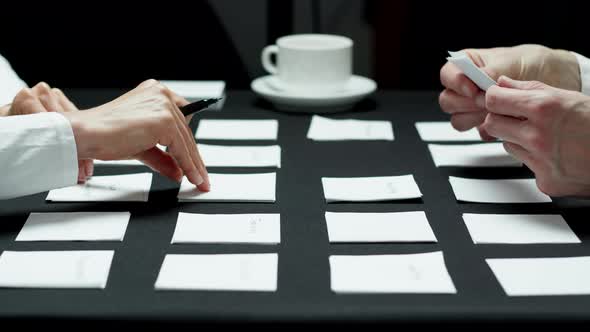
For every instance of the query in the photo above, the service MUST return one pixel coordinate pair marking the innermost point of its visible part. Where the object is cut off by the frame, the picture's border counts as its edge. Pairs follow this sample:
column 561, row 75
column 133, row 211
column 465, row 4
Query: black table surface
column 303, row 278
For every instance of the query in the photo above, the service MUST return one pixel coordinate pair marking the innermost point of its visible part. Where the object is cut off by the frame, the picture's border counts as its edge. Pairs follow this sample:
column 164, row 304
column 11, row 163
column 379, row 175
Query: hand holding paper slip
column 475, row 74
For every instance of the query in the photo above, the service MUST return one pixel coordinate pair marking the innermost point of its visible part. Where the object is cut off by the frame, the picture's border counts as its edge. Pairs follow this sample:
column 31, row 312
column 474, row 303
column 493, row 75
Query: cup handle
column 268, row 65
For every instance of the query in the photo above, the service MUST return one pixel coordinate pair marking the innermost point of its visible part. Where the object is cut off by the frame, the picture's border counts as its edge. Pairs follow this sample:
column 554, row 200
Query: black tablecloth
column 303, row 282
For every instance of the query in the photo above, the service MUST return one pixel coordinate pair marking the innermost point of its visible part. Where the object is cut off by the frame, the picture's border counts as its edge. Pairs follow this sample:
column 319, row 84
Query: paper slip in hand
column 113, row 188
column 370, row 189
column 414, row 273
column 497, row 191
column 240, row 156
column 75, row 226
column 472, row 155
column 519, row 228
column 227, row 228
column 543, row 276
column 238, row 129
column 196, row 89
column 443, row 131
column 234, row 272
column 325, row 129
column 475, row 74
column 351, row 227
column 55, row 269
column 232, row 188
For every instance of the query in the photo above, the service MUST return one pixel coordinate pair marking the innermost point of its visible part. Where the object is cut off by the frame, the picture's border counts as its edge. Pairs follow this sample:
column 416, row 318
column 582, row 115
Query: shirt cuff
column 584, row 64
column 69, row 152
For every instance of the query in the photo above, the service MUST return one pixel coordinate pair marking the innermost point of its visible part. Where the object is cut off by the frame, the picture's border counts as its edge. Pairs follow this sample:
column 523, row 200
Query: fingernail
column 480, row 100
column 196, row 175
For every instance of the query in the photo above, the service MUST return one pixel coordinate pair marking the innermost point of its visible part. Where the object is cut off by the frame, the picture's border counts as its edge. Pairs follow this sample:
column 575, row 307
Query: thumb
column 507, row 82
column 162, row 162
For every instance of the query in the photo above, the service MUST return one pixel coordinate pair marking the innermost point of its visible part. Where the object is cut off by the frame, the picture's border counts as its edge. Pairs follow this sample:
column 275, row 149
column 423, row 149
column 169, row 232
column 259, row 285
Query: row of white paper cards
column 370, row 189
column 325, row 129
column 343, row 227
column 413, row 273
column 224, row 156
column 136, row 187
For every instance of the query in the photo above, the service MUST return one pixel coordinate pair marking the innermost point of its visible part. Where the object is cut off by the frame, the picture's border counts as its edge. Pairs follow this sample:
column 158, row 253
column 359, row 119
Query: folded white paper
column 235, row 272
column 55, row 269
column 379, row 227
column 519, row 228
column 238, row 129
column 472, row 155
column 228, row 228
column 196, row 89
column 414, row 273
column 124, row 162
column 443, row 131
column 475, row 74
column 497, row 191
column 232, row 188
column 370, row 189
column 123, row 188
column 75, row 226
column 324, row 129
column 240, row 156
column 543, row 276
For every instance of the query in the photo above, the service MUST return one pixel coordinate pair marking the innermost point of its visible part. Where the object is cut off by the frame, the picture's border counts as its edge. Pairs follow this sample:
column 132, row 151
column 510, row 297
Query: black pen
column 198, row 106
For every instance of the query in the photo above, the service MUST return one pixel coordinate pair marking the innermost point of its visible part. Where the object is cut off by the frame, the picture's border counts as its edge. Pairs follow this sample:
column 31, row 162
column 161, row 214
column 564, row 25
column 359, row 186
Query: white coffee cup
column 310, row 62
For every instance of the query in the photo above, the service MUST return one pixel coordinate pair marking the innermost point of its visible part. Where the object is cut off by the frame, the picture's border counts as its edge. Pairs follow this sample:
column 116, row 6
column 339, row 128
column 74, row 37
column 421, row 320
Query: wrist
column 563, row 70
column 85, row 146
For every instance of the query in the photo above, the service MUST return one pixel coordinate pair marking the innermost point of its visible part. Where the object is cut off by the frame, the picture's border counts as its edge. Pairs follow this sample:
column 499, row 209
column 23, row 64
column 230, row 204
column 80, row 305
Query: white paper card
column 325, row 129
column 228, row 228
column 472, row 155
column 370, row 189
column 543, row 276
column 238, row 129
column 351, row 227
column 443, row 131
column 414, row 273
column 75, row 226
column 497, row 191
column 55, row 269
column 121, row 188
column 234, row 272
column 196, row 89
column 124, row 162
column 519, row 228
column 475, row 74
column 232, row 188
column 240, row 156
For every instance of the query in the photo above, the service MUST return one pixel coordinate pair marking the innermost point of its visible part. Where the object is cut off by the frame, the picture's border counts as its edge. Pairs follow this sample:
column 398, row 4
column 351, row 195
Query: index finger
column 454, row 79
column 510, row 102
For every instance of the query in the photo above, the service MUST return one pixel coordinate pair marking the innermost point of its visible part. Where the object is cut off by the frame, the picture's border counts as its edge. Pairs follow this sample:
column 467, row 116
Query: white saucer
column 309, row 102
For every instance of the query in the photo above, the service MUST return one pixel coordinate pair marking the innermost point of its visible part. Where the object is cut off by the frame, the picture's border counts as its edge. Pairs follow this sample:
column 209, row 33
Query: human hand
column 42, row 98
column 130, row 126
column 546, row 128
column 466, row 103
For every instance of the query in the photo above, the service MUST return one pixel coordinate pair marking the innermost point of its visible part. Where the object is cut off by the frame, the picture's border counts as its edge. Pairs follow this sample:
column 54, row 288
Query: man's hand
column 42, row 98
column 130, row 126
column 548, row 129
column 466, row 103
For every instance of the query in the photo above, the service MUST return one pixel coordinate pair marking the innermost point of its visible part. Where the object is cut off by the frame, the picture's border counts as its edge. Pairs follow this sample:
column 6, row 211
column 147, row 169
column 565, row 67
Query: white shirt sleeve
column 37, row 153
column 10, row 83
column 584, row 64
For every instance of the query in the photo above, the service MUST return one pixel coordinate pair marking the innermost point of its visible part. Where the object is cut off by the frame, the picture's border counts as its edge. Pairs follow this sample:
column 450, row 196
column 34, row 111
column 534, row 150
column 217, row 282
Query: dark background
column 401, row 44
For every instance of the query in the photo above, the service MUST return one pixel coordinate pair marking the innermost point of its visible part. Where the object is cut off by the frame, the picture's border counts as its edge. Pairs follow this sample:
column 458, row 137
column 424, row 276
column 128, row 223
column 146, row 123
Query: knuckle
column 538, row 141
column 43, row 87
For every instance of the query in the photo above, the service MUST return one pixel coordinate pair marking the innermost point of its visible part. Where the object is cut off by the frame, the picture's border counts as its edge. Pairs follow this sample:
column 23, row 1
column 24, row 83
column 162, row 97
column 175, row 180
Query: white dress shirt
column 10, row 83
